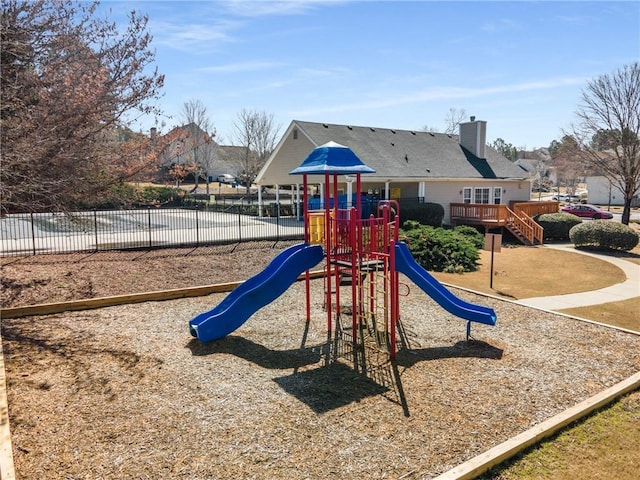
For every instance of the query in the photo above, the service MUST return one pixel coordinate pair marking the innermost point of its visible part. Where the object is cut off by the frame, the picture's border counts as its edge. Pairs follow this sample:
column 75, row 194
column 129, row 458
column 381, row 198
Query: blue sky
column 521, row 66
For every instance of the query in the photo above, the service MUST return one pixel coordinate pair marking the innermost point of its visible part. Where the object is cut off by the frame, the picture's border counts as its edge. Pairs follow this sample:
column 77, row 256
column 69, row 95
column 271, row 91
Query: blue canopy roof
column 332, row 158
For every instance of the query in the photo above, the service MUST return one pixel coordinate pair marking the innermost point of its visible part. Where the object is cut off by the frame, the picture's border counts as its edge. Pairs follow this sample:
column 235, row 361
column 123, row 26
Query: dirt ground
column 126, row 392
column 57, row 278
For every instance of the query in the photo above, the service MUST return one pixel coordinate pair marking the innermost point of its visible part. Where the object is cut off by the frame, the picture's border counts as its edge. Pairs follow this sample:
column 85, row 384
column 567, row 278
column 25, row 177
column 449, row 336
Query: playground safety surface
column 126, row 392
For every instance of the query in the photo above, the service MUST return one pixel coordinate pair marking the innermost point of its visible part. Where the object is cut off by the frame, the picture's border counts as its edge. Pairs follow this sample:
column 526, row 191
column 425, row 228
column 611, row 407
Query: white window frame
column 466, row 195
column 482, row 195
column 497, row 195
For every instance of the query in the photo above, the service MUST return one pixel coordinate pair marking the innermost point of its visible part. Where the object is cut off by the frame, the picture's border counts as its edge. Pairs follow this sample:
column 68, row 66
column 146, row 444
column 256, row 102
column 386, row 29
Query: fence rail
column 92, row 231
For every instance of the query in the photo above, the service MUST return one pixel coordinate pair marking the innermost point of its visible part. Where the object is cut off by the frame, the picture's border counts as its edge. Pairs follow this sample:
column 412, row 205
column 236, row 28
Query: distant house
column 229, row 160
column 190, row 144
column 184, row 144
column 429, row 167
column 603, row 192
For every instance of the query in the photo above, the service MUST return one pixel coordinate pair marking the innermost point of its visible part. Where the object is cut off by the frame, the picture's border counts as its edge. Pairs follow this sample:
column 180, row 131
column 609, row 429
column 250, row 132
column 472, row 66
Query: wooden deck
column 517, row 217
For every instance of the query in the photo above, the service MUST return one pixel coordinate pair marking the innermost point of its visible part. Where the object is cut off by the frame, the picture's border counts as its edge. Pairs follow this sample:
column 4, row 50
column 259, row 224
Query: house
column 184, row 144
column 189, row 144
column 451, row 170
column 603, row 192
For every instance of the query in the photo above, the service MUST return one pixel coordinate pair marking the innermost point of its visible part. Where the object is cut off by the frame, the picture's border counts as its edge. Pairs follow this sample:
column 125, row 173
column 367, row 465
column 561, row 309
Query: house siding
column 291, row 153
column 601, row 192
column 447, row 192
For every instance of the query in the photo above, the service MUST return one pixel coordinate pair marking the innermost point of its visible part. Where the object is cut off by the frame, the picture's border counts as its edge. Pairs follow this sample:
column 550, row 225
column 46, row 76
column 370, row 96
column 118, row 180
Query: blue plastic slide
column 253, row 294
column 406, row 264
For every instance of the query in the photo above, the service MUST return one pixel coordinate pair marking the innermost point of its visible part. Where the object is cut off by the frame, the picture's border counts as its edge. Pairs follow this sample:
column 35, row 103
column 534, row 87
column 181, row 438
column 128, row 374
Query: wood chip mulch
column 126, row 392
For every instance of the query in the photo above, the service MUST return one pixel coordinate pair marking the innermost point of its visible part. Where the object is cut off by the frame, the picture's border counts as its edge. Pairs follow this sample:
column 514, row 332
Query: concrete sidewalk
column 630, row 288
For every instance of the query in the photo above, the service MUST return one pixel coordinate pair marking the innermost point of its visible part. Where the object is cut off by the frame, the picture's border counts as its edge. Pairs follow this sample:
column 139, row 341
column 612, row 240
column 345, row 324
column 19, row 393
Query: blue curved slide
column 253, row 294
column 406, row 264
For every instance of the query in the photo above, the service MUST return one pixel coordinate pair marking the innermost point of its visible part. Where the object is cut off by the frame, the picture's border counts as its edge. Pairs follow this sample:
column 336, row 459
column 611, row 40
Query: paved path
column 630, row 288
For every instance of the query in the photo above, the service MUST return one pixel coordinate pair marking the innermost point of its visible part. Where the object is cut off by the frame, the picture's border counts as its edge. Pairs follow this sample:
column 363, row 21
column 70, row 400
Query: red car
column 587, row 211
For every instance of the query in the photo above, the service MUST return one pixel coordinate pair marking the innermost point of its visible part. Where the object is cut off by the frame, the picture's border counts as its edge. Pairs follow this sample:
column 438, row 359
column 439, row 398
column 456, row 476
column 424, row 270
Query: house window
column 295, row 133
column 481, row 195
column 466, row 195
column 497, row 195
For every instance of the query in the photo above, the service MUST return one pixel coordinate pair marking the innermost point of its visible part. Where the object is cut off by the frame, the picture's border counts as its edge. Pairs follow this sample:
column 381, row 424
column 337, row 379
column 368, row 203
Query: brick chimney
column 473, row 136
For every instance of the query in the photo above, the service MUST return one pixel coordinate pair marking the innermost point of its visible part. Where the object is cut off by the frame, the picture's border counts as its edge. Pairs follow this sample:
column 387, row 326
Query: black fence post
column 197, row 229
column 95, row 227
column 278, row 223
column 33, row 234
column 239, row 226
column 149, row 224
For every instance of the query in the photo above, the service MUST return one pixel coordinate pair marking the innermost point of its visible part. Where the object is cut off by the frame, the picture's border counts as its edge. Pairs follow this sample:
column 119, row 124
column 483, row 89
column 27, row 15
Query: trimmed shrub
column 423, row 213
column 441, row 249
column 604, row 235
column 557, row 225
column 472, row 234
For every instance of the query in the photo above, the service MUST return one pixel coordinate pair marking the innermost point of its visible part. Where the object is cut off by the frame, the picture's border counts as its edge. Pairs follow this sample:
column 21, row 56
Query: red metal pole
column 394, row 300
column 336, row 242
column 327, row 241
column 305, row 208
column 358, row 199
column 373, row 233
column 355, row 257
column 305, row 217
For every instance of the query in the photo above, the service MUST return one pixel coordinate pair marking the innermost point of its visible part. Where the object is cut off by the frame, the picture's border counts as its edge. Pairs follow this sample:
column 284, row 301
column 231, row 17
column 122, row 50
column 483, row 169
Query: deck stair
column 524, row 228
column 517, row 218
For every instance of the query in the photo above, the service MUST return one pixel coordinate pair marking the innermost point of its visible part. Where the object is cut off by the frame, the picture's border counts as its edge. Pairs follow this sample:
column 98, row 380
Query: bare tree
column 199, row 144
column 453, row 120
column 69, row 80
column 611, row 103
column 258, row 134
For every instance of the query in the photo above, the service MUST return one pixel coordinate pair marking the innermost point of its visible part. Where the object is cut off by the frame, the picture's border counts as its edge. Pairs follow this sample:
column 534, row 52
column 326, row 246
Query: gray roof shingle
column 412, row 154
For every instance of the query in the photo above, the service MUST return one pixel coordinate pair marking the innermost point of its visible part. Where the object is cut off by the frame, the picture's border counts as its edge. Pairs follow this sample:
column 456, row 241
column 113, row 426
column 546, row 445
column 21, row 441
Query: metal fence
column 92, row 231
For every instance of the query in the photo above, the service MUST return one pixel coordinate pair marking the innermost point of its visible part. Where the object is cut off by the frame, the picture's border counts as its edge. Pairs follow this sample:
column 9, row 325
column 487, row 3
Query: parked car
column 226, row 178
column 565, row 197
column 587, row 211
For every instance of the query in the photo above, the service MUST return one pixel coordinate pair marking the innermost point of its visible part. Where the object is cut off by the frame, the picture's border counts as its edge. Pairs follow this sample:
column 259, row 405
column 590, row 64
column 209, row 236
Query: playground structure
column 363, row 258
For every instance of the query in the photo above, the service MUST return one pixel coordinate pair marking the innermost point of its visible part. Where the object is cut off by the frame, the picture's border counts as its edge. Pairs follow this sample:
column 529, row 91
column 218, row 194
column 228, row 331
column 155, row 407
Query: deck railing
column 518, row 219
column 531, row 209
column 480, row 212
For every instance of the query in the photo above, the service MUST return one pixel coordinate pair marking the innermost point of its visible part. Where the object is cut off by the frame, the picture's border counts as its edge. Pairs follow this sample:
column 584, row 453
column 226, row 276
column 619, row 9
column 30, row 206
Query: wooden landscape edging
column 91, row 303
column 498, row 454
column 7, row 469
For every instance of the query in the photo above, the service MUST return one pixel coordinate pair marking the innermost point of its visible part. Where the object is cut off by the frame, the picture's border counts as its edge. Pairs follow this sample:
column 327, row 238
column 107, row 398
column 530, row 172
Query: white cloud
column 248, row 8
column 500, row 25
column 249, row 66
column 443, row 93
column 193, row 36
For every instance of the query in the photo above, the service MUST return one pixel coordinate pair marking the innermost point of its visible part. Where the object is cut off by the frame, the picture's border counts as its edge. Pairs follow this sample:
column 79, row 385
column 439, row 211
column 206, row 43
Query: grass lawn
column 524, row 272
column 607, row 443
column 624, row 314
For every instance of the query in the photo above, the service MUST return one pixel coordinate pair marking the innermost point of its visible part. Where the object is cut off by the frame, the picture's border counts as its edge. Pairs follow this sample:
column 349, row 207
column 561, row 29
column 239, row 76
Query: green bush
column 423, row 213
column 472, row 234
column 119, row 196
column 159, row 195
column 604, row 235
column 557, row 225
column 442, row 250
